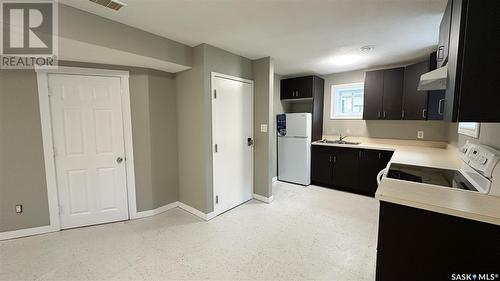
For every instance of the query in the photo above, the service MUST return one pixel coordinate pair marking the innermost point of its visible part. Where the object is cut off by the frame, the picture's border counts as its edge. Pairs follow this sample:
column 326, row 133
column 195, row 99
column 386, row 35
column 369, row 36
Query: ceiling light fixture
column 367, row 48
column 345, row 59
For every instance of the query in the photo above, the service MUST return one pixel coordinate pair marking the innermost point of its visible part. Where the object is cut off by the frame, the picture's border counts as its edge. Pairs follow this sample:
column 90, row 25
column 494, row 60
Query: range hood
column 434, row 80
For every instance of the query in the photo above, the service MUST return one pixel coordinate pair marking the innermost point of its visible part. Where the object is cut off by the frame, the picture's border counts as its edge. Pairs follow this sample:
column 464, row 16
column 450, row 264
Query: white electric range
column 480, row 171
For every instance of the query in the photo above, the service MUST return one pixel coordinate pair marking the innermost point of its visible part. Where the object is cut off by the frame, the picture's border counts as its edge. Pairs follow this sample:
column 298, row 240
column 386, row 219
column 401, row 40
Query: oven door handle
column 380, row 175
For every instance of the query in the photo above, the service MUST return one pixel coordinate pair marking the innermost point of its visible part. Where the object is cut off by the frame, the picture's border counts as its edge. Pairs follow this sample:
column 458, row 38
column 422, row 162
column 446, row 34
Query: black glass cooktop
column 435, row 176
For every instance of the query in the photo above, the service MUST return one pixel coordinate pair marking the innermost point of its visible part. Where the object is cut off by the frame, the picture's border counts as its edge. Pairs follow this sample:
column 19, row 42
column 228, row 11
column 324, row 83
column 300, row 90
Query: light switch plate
column 263, row 128
column 420, row 134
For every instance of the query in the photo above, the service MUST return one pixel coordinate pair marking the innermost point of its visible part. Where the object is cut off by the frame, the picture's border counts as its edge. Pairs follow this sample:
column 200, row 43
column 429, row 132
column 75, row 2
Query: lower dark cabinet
column 321, row 166
column 415, row 244
column 371, row 162
column 345, row 170
column 349, row 169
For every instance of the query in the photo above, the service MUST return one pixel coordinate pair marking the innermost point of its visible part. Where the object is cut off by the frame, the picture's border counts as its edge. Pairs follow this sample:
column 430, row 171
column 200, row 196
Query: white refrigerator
column 294, row 147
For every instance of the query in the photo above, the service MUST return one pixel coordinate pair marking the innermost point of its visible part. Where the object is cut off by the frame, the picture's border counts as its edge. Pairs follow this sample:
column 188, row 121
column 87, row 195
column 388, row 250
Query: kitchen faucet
column 341, row 138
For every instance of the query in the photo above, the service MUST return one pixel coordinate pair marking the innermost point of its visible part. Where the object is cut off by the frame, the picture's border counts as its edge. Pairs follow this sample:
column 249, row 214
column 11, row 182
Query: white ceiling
column 301, row 35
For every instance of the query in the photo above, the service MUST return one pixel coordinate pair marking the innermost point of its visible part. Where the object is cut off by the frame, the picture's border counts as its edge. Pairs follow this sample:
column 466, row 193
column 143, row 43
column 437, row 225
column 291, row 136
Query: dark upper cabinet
column 414, row 101
column 435, row 105
column 473, row 58
column 444, row 36
column 308, row 89
column 373, row 92
column 393, row 93
column 297, row 88
column 383, row 94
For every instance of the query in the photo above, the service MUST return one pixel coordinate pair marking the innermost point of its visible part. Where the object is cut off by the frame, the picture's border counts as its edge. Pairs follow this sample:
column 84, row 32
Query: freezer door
column 298, row 125
column 294, row 160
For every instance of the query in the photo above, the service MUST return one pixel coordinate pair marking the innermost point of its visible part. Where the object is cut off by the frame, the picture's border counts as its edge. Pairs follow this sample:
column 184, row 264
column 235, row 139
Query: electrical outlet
column 420, row 134
column 19, row 208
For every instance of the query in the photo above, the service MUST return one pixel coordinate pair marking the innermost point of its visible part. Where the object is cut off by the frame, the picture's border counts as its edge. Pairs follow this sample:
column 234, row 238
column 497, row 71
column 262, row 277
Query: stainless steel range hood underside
column 434, row 80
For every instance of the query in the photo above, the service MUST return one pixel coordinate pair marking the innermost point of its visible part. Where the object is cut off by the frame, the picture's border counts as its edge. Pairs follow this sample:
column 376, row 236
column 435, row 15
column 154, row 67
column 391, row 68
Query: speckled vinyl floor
column 306, row 233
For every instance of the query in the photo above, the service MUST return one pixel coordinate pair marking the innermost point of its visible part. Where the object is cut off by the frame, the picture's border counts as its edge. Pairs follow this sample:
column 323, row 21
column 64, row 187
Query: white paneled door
column 89, row 149
column 232, row 136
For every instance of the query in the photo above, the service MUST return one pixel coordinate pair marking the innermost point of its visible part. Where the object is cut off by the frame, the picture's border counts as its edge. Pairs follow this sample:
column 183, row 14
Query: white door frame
column 220, row 75
column 48, row 146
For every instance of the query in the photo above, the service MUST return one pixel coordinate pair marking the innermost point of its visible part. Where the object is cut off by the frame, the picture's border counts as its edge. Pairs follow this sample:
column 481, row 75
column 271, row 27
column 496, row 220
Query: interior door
column 89, row 149
column 232, row 137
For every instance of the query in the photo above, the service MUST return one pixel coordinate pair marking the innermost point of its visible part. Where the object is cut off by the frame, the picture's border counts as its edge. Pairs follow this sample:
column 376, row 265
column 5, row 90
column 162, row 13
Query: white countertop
column 470, row 205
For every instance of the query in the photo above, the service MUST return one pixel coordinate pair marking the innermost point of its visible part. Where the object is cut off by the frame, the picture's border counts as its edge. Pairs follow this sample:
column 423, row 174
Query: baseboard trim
column 27, row 232
column 263, row 198
column 196, row 212
column 274, row 179
column 153, row 212
column 48, row 228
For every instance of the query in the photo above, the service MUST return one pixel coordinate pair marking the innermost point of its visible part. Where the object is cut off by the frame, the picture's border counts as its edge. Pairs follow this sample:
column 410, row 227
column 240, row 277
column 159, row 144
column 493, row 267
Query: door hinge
column 50, row 92
column 54, row 151
column 215, row 94
column 60, row 209
column 216, row 148
column 217, row 199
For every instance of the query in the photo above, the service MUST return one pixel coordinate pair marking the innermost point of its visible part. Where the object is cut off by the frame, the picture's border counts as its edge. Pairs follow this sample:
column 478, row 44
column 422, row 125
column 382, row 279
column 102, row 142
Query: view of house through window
column 347, row 101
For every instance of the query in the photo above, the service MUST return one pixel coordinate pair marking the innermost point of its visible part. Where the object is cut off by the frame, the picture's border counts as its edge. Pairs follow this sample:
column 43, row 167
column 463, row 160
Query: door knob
column 119, row 160
column 249, row 141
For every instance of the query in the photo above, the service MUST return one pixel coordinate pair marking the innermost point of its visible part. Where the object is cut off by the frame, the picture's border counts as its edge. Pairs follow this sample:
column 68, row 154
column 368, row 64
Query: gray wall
column 163, row 126
column 22, row 173
column 85, row 27
column 192, row 142
column 489, row 134
column 22, row 169
column 194, row 126
column 277, row 109
column 263, row 75
column 433, row 130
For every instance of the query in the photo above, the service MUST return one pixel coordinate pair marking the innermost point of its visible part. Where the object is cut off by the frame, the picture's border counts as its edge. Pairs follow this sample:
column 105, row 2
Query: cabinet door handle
column 385, row 115
column 424, row 113
column 334, row 159
column 330, row 158
column 379, row 155
column 378, row 115
column 440, row 52
column 440, row 107
column 403, row 114
column 359, row 154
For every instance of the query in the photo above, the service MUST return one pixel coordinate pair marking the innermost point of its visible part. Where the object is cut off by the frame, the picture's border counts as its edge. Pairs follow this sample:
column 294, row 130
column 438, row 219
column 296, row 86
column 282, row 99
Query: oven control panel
column 480, row 157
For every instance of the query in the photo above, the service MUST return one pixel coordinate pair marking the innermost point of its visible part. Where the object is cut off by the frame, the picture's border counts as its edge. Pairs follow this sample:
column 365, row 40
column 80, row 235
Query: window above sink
column 347, row 101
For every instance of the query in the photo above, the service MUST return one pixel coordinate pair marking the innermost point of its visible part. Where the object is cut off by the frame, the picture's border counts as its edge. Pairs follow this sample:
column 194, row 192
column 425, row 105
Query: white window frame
column 464, row 129
column 333, row 100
